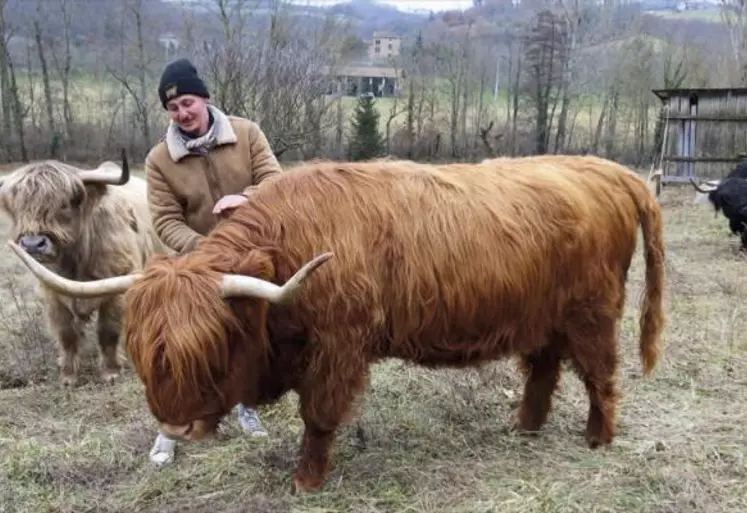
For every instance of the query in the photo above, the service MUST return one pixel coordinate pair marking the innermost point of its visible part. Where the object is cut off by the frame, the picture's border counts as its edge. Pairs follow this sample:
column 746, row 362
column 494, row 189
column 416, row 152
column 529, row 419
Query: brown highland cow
column 451, row 265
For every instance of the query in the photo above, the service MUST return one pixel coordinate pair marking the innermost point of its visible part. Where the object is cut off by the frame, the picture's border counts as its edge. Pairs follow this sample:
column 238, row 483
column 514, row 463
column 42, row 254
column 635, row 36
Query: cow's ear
column 256, row 263
column 3, row 191
column 3, row 196
column 95, row 190
column 77, row 199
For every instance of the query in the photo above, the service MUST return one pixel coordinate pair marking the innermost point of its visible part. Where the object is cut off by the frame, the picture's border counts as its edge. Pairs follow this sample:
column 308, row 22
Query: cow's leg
column 594, row 355
column 327, row 397
column 316, row 453
column 735, row 225
column 543, row 372
column 69, row 335
column 108, row 329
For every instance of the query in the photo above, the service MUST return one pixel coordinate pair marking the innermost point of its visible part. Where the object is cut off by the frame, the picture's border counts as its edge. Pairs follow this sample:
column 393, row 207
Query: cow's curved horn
column 85, row 289
column 700, row 188
column 237, row 285
column 102, row 176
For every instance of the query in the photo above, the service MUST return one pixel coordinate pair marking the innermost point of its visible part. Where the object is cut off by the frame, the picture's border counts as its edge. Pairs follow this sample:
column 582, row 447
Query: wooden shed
column 705, row 132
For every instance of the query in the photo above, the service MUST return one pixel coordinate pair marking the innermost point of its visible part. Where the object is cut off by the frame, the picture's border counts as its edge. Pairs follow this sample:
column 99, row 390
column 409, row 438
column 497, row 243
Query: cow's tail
column 652, row 318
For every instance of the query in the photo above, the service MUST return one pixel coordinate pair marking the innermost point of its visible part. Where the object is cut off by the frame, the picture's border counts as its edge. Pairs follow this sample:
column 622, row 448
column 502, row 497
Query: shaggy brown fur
column 441, row 266
column 93, row 230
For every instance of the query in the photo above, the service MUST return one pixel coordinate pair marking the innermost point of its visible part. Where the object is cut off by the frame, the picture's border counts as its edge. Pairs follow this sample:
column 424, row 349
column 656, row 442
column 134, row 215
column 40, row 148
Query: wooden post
column 691, row 134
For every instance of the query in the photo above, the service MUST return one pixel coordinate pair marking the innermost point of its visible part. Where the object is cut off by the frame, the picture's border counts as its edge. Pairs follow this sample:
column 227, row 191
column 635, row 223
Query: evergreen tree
column 418, row 46
column 367, row 142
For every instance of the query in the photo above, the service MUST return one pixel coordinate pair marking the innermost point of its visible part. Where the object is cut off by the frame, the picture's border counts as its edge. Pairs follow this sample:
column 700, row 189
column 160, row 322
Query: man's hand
column 229, row 202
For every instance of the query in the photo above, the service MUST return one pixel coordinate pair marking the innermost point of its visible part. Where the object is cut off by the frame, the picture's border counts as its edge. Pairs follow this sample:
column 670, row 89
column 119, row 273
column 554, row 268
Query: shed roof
column 665, row 94
column 364, row 71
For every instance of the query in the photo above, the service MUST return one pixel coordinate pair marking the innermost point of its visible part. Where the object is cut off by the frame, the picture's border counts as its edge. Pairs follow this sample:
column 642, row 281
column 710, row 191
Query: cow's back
column 456, row 253
column 133, row 196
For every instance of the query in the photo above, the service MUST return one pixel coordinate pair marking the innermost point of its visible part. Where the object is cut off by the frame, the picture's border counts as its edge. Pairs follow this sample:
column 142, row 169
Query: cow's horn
column 104, row 176
column 237, row 285
column 85, row 289
column 700, row 188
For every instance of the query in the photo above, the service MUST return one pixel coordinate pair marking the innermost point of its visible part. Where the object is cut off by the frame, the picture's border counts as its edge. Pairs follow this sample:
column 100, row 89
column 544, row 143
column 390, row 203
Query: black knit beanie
column 180, row 77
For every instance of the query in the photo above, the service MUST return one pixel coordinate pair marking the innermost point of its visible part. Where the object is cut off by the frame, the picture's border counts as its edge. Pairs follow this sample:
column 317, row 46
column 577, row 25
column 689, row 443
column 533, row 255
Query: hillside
column 498, row 20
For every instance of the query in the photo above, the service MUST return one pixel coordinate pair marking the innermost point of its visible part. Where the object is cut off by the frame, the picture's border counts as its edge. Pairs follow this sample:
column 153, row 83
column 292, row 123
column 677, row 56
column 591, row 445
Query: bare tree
column 546, row 50
column 454, row 61
column 19, row 112
column 734, row 16
column 137, row 89
column 63, row 64
column 38, row 37
column 14, row 112
column 571, row 14
column 5, row 85
column 272, row 73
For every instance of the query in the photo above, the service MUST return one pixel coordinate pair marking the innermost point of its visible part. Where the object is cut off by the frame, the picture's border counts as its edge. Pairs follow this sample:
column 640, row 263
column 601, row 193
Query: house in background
column 384, row 45
column 379, row 75
column 170, row 44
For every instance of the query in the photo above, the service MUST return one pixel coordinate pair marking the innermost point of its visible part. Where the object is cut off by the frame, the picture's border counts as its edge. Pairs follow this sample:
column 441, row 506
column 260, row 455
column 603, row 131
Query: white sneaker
column 249, row 421
column 162, row 452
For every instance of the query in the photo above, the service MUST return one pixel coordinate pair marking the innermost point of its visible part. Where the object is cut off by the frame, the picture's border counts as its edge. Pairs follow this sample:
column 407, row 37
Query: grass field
column 435, row 441
column 713, row 15
column 103, row 113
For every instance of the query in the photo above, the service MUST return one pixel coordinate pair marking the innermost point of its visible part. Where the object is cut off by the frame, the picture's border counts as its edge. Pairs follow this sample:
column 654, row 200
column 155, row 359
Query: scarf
column 181, row 144
column 203, row 144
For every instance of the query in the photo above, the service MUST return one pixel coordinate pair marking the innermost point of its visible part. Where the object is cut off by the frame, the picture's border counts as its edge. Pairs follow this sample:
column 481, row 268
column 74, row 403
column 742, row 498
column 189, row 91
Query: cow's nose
column 34, row 243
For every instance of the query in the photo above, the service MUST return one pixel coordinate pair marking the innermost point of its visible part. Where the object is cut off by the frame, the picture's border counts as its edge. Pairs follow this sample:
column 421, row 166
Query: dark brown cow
column 441, row 266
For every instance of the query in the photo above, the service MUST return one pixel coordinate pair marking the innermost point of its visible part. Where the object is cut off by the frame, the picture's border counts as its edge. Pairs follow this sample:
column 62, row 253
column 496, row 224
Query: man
column 206, row 164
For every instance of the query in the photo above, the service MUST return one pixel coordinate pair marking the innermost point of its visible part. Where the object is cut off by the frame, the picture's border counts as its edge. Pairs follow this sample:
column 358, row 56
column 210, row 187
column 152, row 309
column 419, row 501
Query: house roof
column 386, row 34
column 363, row 71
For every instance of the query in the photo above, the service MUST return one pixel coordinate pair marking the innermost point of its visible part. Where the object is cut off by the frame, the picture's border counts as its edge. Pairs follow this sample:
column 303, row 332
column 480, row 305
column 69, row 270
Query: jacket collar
column 224, row 134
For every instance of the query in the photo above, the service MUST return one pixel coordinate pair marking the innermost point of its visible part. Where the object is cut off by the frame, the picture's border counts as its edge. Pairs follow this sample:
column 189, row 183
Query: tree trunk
column 18, row 114
column 45, row 75
column 5, row 86
column 609, row 146
column 142, row 103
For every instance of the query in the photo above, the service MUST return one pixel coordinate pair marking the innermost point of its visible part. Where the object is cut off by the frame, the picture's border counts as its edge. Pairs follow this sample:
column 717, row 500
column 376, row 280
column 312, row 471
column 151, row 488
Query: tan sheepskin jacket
column 184, row 187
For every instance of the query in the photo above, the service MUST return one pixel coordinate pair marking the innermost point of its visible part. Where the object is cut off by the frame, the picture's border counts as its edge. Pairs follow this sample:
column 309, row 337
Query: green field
column 713, row 15
column 109, row 113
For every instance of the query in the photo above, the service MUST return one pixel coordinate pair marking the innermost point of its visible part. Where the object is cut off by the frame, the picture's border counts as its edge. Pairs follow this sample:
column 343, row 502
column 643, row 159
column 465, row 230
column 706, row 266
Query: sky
column 405, row 5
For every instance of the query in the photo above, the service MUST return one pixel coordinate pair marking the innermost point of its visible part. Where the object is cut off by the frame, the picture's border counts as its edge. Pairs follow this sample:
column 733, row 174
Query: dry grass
column 434, row 441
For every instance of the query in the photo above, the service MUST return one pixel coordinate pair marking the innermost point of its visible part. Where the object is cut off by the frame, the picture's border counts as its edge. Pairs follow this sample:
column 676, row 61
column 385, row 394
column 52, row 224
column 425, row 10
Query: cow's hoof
column 597, row 440
column 526, row 424
column 68, row 366
column 109, row 376
column 301, row 486
column 68, row 380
